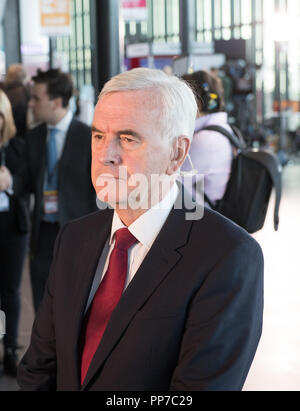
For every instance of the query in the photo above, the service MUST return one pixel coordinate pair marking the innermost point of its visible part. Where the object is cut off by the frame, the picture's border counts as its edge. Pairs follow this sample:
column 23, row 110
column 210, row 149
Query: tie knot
column 124, row 239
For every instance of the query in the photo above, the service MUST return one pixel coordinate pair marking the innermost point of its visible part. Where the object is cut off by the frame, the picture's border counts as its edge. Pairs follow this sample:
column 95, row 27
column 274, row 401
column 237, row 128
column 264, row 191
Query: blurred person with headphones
column 210, row 151
column 14, row 226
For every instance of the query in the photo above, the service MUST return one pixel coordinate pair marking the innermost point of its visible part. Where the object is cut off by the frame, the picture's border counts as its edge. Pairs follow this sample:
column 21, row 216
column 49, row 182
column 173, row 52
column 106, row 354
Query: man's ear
column 57, row 103
column 180, row 149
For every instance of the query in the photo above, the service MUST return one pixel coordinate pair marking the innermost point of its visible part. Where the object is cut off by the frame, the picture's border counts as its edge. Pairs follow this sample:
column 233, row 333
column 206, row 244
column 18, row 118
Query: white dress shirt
column 145, row 229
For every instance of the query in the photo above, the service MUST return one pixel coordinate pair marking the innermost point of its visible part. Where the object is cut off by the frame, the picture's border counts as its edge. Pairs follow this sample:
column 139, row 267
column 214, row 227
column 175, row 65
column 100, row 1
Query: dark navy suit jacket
column 190, row 319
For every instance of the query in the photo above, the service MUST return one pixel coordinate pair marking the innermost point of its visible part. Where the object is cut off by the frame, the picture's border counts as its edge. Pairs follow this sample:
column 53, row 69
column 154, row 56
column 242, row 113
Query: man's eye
column 127, row 140
column 98, row 136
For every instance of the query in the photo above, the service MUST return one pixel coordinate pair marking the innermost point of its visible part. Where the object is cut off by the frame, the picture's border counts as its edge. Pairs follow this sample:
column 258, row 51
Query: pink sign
column 134, row 3
column 134, row 10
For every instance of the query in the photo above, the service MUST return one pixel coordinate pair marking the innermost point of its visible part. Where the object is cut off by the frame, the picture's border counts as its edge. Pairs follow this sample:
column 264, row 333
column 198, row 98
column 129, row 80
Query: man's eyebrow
column 130, row 133
column 96, row 130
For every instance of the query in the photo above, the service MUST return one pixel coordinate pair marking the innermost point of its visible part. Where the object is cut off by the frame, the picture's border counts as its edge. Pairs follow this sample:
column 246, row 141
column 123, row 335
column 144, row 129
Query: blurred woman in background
column 14, row 226
column 210, row 151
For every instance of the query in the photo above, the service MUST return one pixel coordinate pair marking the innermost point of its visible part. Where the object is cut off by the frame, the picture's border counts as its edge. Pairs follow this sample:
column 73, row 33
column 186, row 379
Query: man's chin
column 128, row 201
column 112, row 200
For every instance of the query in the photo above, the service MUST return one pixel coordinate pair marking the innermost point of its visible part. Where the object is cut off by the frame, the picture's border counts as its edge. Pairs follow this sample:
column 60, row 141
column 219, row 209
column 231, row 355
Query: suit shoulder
column 17, row 144
column 88, row 222
column 82, row 127
column 219, row 231
column 35, row 132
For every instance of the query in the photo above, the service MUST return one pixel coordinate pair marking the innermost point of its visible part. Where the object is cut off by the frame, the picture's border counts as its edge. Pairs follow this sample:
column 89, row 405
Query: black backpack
column 254, row 172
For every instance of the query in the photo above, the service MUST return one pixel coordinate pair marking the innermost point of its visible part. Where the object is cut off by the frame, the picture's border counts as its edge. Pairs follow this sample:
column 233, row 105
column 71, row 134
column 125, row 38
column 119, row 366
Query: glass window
column 73, row 53
column 237, row 12
column 200, row 18
column 293, row 54
column 208, row 36
column 207, row 12
column 132, row 28
column 246, row 12
column 237, row 32
column 218, row 14
column 226, row 13
column 172, row 15
column 226, row 33
column 246, row 32
column 159, row 19
column 218, row 34
column 259, row 10
column 259, row 36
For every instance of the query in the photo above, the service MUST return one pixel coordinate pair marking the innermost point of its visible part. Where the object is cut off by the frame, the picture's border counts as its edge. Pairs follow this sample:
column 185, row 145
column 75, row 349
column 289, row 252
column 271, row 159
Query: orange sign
column 55, row 17
column 286, row 105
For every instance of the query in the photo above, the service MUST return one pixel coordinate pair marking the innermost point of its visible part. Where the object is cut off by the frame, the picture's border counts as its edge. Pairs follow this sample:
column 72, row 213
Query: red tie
column 106, row 298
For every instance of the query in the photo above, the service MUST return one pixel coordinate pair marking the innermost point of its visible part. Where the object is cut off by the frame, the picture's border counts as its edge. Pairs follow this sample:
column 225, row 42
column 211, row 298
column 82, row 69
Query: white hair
column 178, row 106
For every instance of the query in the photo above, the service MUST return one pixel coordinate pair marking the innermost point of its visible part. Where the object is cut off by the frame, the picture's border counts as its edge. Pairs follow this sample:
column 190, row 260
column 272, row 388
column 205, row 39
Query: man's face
column 125, row 135
column 40, row 103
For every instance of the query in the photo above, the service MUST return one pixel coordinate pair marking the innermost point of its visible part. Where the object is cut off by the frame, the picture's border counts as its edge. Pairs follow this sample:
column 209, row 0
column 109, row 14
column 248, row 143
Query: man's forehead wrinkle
column 104, row 118
column 148, row 103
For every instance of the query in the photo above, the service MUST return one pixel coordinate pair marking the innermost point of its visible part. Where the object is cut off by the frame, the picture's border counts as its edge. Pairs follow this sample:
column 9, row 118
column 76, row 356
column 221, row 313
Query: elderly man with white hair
column 147, row 294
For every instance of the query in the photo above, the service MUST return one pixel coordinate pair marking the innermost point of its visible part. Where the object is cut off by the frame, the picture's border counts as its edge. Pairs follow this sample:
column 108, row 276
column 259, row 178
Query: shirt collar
column 64, row 124
column 148, row 225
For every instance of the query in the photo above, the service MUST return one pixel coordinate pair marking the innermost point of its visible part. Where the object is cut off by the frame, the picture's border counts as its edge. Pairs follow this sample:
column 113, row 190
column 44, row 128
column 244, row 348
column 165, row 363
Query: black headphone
column 210, row 101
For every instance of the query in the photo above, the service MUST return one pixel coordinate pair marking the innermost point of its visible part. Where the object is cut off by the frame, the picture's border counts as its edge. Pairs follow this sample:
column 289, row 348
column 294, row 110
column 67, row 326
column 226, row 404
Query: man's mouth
column 103, row 179
column 120, row 175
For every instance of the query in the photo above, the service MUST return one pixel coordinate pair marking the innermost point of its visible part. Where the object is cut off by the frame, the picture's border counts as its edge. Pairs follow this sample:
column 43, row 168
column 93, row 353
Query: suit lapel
column 41, row 149
column 92, row 246
column 162, row 257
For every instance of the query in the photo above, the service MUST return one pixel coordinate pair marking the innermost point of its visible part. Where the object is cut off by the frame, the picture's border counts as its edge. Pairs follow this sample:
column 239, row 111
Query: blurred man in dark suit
column 58, row 170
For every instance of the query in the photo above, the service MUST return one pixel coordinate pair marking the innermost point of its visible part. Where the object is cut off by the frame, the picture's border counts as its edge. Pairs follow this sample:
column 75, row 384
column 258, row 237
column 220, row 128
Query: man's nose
column 109, row 153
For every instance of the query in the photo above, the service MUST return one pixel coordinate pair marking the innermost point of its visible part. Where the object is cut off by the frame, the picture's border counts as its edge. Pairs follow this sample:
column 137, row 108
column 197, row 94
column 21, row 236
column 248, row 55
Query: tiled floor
column 277, row 363
column 26, row 320
column 276, row 366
